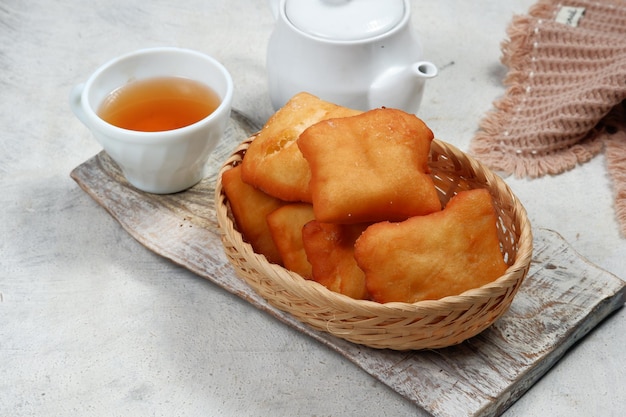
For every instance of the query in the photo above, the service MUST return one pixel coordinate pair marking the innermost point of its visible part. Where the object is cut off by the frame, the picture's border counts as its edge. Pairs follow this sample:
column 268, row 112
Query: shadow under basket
column 400, row 326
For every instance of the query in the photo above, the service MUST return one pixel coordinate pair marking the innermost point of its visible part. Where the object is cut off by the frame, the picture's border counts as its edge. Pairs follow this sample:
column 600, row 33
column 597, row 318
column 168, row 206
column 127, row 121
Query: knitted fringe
column 582, row 89
column 616, row 162
column 615, row 152
column 563, row 93
column 517, row 54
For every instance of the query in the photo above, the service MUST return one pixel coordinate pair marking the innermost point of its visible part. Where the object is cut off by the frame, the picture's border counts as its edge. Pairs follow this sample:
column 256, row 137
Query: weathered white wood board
column 562, row 299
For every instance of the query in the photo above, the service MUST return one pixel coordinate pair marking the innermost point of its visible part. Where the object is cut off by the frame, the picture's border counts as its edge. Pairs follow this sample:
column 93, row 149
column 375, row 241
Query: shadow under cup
column 166, row 161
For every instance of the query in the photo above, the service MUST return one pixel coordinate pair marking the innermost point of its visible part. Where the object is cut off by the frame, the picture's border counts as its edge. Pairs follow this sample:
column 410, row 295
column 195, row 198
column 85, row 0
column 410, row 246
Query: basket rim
column 458, row 302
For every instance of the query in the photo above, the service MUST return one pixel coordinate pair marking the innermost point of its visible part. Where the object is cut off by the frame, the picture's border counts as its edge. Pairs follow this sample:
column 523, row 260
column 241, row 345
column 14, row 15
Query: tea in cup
column 158, row 113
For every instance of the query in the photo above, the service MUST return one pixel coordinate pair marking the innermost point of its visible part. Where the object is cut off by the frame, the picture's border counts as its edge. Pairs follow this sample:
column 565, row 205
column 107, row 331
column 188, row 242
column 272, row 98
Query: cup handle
column 275, row 8
column 76, row 103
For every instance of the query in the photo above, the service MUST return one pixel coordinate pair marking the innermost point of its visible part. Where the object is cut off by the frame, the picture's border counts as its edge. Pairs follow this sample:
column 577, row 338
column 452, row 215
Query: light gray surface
column 92, row 323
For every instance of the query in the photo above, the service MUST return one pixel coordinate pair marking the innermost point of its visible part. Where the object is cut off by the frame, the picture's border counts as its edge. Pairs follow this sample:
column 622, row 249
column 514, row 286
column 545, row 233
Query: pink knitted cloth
column 566, row 95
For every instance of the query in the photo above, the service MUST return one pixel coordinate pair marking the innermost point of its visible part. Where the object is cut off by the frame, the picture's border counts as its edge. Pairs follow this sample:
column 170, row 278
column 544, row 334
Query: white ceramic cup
column 157, row 162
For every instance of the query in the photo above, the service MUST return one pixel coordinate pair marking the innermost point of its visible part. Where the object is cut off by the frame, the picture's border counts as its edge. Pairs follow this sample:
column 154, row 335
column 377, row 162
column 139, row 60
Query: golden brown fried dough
column 434, row 256
column 273, row 163
column 330, row 250
column 250, row 208
column 285, row 225
column 370, row 167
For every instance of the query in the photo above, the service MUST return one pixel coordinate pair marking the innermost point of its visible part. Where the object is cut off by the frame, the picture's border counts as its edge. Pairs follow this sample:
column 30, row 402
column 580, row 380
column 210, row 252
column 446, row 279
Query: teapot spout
column 401, row 87
column 424, row 69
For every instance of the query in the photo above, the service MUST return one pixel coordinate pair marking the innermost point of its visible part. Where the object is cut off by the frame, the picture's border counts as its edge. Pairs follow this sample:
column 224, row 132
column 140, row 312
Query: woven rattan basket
column 399, row 326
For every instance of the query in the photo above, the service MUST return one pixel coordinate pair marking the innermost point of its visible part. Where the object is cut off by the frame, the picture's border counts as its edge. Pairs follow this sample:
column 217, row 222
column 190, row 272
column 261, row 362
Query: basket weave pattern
column 400, row 326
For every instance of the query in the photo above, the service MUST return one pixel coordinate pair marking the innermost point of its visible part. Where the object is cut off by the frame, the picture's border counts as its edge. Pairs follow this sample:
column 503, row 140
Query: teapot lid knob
column 345, row 20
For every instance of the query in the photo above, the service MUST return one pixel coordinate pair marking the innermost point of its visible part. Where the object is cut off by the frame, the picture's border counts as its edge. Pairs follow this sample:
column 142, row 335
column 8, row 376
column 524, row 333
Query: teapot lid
column 345, row 20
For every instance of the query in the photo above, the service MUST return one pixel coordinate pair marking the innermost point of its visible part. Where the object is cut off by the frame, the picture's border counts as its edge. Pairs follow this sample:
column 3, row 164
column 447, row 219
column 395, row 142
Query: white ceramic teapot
column 361, row 54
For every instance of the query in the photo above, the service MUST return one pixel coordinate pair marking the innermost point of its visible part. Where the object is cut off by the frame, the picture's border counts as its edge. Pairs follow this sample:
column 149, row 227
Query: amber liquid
column 158, row 104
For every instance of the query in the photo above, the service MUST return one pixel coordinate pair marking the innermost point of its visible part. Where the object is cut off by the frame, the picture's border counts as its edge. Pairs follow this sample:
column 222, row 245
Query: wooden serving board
column 561, row 300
